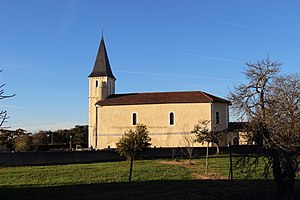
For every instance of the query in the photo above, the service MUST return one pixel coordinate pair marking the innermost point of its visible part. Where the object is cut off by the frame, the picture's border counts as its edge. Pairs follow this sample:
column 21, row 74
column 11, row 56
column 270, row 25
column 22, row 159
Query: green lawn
column 57, row 175
column 152, row 179
column 116, row 172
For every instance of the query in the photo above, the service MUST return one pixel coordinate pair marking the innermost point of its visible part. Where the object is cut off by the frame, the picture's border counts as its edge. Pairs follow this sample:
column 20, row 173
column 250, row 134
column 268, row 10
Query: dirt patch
column 195, row 167
column 209, row 176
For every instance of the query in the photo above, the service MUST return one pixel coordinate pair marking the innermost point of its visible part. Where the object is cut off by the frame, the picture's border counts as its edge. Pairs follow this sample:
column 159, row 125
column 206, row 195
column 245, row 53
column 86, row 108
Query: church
column 169, row 116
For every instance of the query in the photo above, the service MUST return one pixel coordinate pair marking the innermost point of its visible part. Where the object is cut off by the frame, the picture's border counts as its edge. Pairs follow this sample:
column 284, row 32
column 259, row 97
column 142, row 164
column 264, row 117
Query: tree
column 270, row 104
column 3, row 113
column 209, row 135
column 283, row 123
column 80, row 134
column 41, row 138
column 22, row 143
column 132, row 142
column 6, row 139
column 205, row 134
column 21, row 140
column 188, row 141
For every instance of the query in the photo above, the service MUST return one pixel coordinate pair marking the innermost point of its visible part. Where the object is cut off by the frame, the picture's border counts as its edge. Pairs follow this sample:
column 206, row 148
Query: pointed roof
column 102, row 66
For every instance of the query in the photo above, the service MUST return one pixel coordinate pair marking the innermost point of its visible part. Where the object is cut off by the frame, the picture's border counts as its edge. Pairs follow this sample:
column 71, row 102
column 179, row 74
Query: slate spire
column 102, row 66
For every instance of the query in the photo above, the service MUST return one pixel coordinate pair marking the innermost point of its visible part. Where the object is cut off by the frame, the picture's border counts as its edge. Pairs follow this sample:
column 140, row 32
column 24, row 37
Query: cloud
column 175, row 75
column 210, row 58
column 191, row 54
column 12, row 106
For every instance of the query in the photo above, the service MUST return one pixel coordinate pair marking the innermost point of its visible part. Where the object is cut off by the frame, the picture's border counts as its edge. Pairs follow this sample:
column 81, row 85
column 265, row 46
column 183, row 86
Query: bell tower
column 101, row 85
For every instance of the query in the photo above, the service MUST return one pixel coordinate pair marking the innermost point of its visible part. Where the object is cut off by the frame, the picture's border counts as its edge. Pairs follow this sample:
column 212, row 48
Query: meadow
column 152, row 179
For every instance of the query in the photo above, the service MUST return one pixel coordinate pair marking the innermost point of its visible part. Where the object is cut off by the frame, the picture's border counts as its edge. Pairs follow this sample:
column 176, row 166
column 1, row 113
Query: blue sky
column 48, row 48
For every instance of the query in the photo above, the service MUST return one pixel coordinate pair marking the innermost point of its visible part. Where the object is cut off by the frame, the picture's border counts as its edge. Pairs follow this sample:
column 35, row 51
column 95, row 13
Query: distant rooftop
column 238, row 126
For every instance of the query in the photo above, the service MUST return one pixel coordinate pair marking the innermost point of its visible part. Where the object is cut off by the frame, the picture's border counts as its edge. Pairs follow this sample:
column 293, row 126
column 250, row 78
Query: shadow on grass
column 169, row 190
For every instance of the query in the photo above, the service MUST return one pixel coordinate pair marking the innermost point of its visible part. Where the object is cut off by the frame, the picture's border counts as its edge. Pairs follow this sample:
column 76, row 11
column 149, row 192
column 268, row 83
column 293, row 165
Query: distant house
column 168, row 115
column 238, row 133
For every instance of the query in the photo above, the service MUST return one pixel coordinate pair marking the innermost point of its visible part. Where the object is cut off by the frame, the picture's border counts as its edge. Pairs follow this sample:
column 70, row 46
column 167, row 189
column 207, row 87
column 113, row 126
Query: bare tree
column 188, row 142
column 206, row 134
column 270, row 103
column 283, row 122
column 22, row 143
column 3, row 113
column 209, row 135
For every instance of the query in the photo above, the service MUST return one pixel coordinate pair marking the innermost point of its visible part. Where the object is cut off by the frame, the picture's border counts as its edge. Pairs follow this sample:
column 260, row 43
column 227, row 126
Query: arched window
column 110, row 87
column 96, row 83
column 172, row 118
column 134, row 119
column 235, row 141
column 217, row 117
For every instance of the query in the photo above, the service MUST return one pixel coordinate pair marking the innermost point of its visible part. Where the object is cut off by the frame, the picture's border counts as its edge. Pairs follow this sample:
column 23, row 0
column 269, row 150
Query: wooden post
column 129, row 181
column 230, row 167
column 130, row 172
column 206, row 160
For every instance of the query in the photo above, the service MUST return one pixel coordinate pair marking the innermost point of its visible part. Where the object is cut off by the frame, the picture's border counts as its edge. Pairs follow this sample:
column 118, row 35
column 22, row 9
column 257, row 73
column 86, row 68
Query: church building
column 169, row 116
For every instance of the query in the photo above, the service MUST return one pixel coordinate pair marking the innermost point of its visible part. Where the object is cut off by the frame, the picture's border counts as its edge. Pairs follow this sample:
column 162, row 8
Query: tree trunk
column 129, row 181
column 290, row 176
column 130, row 171
column 206, row 160
column 218, row 148
column 278, row 176
column 230, row 161
column 190, row 154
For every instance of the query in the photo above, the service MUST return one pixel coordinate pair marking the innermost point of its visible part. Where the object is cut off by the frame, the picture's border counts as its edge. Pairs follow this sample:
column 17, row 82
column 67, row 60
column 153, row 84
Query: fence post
column 230, row 161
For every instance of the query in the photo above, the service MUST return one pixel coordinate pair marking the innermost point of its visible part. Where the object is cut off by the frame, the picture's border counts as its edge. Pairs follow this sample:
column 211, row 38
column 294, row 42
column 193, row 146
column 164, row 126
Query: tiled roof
column 160, row 98
column 102, row 66
column 238, row 126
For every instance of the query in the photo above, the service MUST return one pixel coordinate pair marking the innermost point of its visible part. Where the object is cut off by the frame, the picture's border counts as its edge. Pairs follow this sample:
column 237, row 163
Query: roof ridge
column 162, row 92
column 160, row 98
column 206, row 94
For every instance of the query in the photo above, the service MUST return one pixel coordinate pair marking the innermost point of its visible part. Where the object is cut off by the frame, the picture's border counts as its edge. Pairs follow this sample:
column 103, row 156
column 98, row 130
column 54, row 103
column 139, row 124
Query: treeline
column 21, row 141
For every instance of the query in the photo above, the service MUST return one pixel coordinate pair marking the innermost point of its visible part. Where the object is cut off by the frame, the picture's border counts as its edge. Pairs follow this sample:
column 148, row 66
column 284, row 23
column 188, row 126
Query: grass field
column 116, row 172
column 153, row 179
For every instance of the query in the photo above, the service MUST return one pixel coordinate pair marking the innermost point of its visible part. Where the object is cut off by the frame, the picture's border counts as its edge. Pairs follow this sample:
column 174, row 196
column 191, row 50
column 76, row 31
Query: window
column 235, row 141
column 217, row 117
column 110, row 87
column 134, row 119
column 96, row 83
column 171, row 118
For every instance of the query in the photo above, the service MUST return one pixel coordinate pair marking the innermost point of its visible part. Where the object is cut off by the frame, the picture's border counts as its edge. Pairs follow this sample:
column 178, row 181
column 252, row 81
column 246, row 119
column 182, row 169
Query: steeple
column 102, row 66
